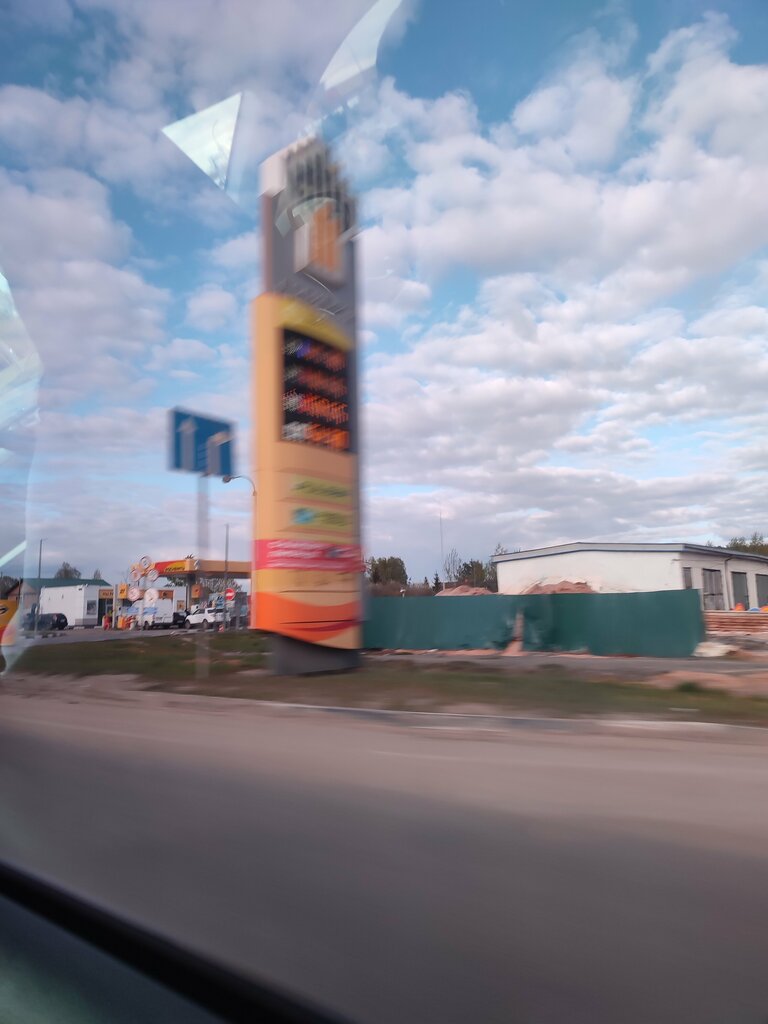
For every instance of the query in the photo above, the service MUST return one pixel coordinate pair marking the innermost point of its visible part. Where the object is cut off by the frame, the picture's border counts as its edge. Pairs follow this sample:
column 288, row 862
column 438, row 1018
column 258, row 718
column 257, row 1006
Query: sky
column 563, row 264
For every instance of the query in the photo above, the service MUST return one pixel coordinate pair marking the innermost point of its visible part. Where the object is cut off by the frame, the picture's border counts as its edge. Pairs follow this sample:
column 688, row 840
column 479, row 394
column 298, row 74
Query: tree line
column 388, row 574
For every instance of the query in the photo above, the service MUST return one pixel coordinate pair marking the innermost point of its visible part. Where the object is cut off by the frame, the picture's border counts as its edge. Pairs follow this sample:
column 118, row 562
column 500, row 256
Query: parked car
column 204, row 616
column 46, row 621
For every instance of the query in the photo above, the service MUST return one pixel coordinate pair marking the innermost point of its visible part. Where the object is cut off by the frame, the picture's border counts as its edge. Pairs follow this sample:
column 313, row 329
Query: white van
column 158, row 615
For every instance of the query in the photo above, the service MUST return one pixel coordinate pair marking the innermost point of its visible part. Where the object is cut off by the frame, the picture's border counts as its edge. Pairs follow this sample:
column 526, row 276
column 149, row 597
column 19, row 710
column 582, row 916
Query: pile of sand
column 463, row 591
column 563, row 587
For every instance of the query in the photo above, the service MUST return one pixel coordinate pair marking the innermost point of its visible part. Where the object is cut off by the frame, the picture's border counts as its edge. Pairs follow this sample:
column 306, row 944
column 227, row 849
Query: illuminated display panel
column 315, row 393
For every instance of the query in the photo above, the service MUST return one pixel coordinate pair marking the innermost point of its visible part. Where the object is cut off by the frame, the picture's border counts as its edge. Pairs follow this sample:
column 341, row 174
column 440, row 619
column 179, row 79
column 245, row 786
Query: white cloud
column 528, row 195
column 52, row 15
column 739, row 322
column 215, row 49
column 703, row 100
column 90, row 317
column 239, row 253
column 180, row 352
column 210, row 308
column 58, row 214
column 122, row 146
column 581, row 117
column 535, row 506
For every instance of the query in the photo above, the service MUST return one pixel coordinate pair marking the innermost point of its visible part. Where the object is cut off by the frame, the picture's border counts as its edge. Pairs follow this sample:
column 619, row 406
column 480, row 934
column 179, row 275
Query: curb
column 447, row 720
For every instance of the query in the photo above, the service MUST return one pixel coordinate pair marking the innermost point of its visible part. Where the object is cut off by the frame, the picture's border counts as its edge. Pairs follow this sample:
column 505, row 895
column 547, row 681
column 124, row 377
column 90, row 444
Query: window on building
column 90, row 607
column 687, row 577
column 762, row 589
column 712, row 590
column 740, row 589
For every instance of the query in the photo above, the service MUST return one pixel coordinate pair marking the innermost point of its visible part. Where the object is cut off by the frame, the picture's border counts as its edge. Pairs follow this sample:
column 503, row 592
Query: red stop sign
column 230, row 593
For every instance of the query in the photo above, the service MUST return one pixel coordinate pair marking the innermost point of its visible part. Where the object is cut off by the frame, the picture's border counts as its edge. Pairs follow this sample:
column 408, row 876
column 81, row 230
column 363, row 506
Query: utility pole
column 226, row 574
column 202, row 660
column 228, row 480
column 442, row 555
column 39, row 585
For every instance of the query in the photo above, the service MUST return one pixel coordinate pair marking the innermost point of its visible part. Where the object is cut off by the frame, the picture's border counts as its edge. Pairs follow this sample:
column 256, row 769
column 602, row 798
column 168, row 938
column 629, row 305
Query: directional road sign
column 200, row 444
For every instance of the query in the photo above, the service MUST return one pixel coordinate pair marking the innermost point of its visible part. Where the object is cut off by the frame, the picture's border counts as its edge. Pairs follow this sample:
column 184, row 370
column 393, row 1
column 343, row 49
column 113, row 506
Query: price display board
column 315, row 393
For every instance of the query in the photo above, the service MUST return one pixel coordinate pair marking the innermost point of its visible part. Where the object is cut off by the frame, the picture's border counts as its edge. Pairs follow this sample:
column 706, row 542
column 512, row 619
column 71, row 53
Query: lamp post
column 39, row 585
column 228, row 480
column 226, row 575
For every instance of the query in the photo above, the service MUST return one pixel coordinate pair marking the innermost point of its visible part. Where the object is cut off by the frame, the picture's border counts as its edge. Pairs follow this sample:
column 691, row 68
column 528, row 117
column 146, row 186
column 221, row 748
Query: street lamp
column 228, row 480
column 39, row 585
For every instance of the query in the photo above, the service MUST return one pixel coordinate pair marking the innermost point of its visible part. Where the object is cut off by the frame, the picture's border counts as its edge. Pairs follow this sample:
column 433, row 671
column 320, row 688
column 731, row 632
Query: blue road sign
column 201, row 445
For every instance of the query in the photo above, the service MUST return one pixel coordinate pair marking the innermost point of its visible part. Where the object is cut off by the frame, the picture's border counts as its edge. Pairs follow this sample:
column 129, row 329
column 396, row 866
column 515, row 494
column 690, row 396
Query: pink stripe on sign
column 307, row 554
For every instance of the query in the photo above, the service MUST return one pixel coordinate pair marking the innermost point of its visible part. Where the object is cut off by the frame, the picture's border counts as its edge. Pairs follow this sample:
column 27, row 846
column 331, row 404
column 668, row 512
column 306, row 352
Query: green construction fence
column 662, row 624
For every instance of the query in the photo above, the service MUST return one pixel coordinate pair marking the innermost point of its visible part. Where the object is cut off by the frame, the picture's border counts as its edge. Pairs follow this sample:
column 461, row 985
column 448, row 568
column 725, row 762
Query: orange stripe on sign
column 305, row 621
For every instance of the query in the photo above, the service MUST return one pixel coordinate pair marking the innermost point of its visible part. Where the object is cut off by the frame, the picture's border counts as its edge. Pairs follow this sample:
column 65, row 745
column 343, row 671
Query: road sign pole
column 202, row 515
column 202, row 660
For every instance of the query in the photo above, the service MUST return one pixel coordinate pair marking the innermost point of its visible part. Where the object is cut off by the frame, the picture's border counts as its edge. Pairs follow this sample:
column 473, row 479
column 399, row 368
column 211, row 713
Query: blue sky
column 563, row 265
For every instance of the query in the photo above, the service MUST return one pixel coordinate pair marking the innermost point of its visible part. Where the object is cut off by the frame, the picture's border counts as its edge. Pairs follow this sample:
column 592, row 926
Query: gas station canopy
column 195, row 567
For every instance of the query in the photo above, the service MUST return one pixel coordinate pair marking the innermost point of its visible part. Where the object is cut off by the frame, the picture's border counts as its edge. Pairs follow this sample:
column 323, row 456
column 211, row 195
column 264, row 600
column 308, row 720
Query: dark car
column 46, row 622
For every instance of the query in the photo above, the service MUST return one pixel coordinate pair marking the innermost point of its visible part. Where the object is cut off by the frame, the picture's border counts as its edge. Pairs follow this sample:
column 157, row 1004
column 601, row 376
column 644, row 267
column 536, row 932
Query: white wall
column 73, row 602
column 617, row 572
column 607, row 572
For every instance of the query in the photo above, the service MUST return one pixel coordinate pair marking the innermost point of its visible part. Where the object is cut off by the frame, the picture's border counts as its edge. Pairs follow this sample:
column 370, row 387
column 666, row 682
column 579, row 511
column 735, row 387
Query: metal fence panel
column 667, row 624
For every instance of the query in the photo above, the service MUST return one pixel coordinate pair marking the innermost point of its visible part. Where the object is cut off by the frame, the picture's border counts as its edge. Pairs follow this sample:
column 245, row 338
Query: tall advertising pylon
column 307, row 558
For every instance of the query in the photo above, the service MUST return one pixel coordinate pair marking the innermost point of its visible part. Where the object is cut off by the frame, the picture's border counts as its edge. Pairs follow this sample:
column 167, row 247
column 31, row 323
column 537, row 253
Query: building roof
column 588, row 545
column 50, row 581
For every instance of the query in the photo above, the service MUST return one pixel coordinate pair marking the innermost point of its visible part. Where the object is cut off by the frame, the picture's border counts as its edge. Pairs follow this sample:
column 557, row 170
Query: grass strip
column 167, row 663
column 550, row 691
column 170, row 657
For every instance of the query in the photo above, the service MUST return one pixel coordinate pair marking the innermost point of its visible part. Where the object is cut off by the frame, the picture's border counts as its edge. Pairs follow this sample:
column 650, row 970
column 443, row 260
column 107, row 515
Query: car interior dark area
column 67, row 961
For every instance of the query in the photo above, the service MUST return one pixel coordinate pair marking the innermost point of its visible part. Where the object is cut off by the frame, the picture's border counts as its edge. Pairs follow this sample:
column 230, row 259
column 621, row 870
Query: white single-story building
column 84, row 602
column 726, row 579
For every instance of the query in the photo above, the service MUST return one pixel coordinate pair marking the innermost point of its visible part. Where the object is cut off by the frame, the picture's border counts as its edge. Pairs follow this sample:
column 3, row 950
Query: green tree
column 756, row 544
column 217, row 584
column 390, row 569
column 436, row 584
column 372, row 570
column 472, row 573
column 67, row 572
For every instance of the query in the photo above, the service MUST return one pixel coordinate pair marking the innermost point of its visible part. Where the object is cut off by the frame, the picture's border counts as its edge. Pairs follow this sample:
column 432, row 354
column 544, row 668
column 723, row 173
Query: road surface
column 410, row 875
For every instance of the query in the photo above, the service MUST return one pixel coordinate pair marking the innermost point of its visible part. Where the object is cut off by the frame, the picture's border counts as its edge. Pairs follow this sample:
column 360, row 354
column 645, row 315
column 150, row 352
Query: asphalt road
column 411, row 875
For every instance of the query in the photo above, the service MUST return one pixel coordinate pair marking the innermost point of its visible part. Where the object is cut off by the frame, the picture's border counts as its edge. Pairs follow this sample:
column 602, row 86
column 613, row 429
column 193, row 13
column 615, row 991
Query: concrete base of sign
column 288, row 657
